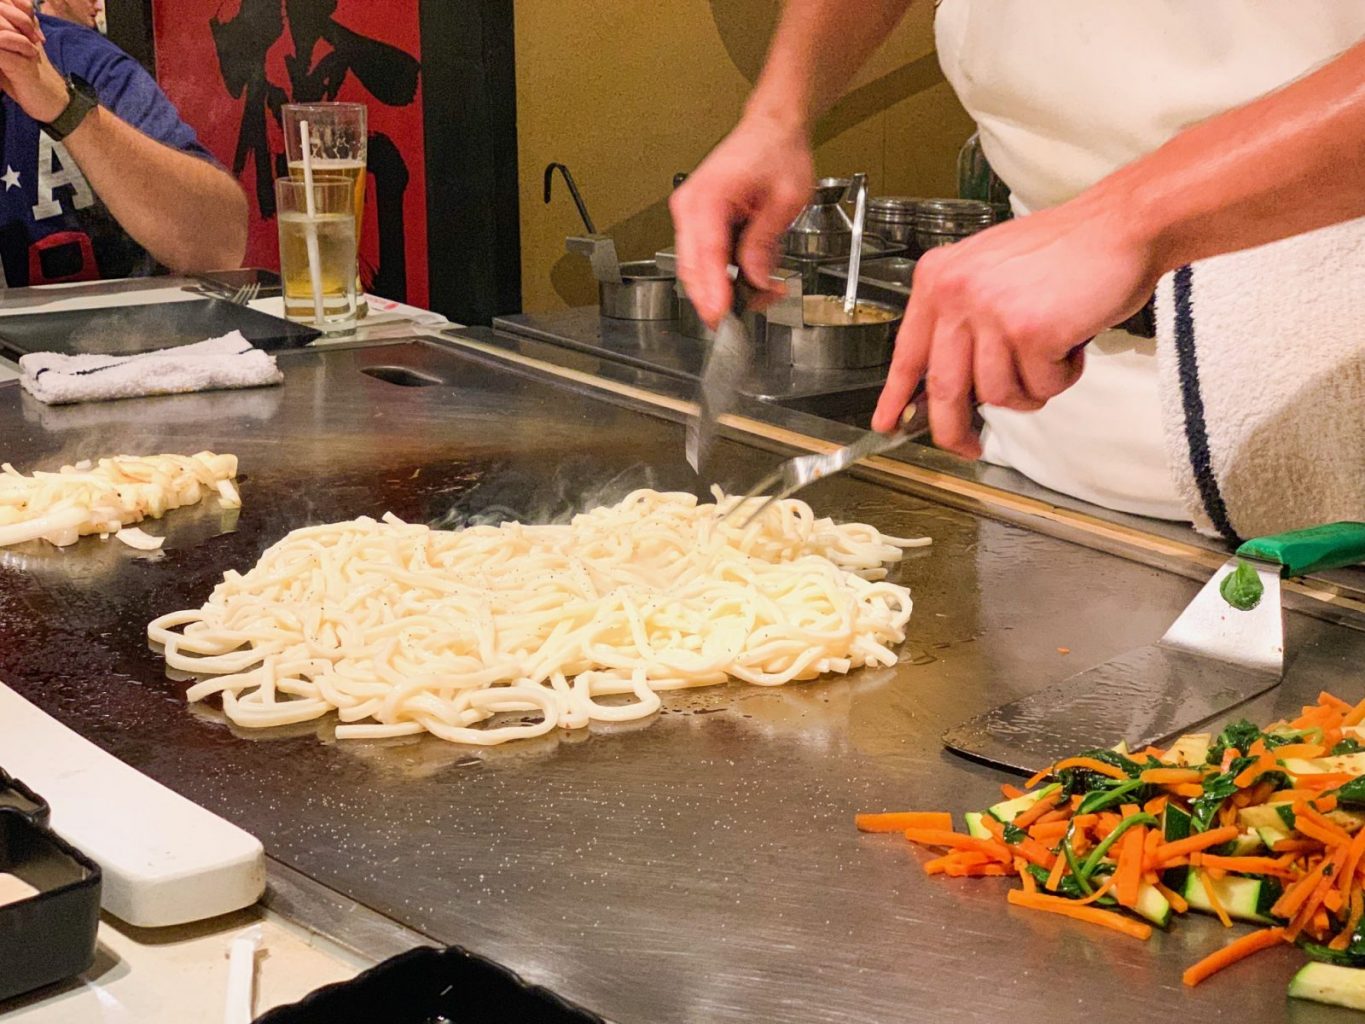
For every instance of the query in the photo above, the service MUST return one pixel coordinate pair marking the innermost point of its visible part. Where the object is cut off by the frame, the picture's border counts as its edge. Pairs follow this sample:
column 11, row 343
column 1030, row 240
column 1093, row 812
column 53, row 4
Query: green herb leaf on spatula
column 1242, row 588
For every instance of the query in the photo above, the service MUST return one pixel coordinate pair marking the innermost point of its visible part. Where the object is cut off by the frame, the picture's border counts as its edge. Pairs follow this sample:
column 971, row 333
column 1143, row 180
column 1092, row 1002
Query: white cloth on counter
column 227, row 362
column 1261, row 367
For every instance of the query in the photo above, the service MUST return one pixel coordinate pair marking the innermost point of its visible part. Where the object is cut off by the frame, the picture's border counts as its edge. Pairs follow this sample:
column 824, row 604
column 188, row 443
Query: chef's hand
column 755, row 182
column 1002, row 318
column 25, row 72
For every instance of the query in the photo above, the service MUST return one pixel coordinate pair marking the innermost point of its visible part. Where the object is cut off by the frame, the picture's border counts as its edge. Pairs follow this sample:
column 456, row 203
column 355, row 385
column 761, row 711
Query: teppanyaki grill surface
column 699, row 865
column 130, row 330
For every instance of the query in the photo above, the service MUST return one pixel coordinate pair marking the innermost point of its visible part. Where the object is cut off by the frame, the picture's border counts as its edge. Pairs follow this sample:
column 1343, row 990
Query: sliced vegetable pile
column 1263, row 826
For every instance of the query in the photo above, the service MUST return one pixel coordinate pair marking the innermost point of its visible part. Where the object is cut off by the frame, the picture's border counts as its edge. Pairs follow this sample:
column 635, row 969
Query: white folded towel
column 1261, row 362
column 226, row 362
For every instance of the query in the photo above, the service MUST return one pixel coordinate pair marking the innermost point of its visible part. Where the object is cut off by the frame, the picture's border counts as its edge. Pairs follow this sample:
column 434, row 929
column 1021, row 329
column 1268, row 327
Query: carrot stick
column 1090, row 764
column 1348, row 873
column 976, row 871
column 1211, row 891
column 1304, row 750
column 1010, row 792
column 1030, row 849
column 957, row 841
column 1056, row 814
column 1315, row 826
column 1332, row 701
column 1092, row 915
column 1054, row 877
column 1246, row 865
column 1129, row 873
column 1035, row 779
column 1201, row 841
column 1026, row 878
column 1356, row 715
column 1236, row 950
column 899, row 821
column 936, row 866
column 1293, row 898
column 1027, row 818
column 1170, row 776
column 1325, row 803
column 1099, row 893
column 1187, row 790
column 1297, row 846
column 1156, row 805
column 1046, row 830
column 1177, row 902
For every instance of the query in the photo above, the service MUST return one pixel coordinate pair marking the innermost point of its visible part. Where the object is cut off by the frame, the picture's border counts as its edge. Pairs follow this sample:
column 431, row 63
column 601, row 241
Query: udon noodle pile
column 494, row 633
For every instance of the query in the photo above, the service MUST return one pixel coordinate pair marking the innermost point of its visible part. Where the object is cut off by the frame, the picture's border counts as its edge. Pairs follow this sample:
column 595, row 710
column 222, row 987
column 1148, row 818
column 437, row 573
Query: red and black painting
column 230, row 65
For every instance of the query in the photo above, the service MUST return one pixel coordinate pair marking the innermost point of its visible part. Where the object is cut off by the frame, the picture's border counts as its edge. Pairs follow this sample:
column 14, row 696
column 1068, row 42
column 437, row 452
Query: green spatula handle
column 1316, row 548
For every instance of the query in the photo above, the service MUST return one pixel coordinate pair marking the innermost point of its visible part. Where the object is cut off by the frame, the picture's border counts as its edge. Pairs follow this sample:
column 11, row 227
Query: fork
column 803, row 470
column 246, row 294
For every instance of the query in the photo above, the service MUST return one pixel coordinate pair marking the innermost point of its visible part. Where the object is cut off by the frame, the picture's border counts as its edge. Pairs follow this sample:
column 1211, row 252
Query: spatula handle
column 1310, row 550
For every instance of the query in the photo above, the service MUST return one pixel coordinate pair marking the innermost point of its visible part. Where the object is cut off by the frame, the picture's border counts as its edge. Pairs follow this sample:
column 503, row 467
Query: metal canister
column 945, row 221
column 893, row 218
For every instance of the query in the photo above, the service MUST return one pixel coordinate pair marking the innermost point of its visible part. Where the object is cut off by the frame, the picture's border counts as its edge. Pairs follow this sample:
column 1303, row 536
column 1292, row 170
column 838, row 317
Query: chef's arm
column 998, row 318
column 818, row 47
column 759, row 177
column 189, row 214
column 1284, row 164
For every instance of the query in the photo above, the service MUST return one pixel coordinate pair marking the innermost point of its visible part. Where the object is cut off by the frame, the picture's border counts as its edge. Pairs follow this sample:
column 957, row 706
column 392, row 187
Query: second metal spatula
column 724, row 370
column 1214, row 657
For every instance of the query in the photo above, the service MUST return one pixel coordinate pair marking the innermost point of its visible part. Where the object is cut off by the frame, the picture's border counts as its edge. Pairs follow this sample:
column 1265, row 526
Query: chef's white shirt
column 1066, row 92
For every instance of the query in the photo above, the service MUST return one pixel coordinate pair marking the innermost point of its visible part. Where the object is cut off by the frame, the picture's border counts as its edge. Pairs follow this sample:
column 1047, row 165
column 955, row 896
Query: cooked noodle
column 402, row 629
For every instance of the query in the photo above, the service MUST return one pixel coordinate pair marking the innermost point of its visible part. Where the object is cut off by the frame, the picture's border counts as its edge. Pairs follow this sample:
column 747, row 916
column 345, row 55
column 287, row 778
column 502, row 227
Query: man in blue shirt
column 101, row 178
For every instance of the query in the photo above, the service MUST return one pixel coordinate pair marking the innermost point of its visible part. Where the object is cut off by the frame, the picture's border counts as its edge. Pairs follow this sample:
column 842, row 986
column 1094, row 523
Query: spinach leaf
column 1014, row 835
column 1353, row 793
column 1132, row 791
column 1083, row 780
column 1286, row 813
column 1217, row 788
column 1239, row 735
column 1350, row 745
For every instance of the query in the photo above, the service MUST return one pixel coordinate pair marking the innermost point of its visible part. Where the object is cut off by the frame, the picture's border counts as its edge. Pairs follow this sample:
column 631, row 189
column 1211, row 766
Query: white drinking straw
column 311, row 231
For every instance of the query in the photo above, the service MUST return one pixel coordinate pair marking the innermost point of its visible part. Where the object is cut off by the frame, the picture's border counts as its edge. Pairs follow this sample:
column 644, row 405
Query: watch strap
column 80, row 101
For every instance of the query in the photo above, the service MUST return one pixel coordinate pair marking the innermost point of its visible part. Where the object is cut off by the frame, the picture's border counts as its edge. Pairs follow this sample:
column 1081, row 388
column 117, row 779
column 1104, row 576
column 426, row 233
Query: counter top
column 176, row 975
column 699, row 865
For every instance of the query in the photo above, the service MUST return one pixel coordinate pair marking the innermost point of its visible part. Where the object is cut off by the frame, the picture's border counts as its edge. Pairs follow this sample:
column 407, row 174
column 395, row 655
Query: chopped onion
column 136, row 538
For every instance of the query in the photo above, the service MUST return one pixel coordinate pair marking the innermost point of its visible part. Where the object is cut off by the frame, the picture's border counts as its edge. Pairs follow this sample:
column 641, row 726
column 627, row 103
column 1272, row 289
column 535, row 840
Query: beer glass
column 338, row 137
column 317, row 251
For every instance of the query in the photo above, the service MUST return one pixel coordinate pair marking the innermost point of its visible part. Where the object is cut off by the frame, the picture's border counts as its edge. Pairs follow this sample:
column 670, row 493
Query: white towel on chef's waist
column 226, row 362
column 1261, row 361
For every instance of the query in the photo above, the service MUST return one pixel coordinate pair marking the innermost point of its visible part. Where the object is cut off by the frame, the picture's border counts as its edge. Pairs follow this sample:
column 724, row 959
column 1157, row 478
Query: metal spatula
column 726, row 366
column 1214, row 657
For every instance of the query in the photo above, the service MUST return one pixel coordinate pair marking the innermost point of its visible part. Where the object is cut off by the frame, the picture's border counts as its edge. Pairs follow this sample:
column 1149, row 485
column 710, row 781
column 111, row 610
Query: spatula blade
column 724, row 371
column 1141, row 697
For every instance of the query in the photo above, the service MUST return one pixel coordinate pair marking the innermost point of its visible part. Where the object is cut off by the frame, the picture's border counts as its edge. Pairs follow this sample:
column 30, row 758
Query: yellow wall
column 628, row 92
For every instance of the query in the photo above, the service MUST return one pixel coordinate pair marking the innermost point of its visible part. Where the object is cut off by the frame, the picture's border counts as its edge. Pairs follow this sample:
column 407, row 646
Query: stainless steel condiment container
column 893, row 218
column 945, row 221
column 822, row 229
column 793, row 342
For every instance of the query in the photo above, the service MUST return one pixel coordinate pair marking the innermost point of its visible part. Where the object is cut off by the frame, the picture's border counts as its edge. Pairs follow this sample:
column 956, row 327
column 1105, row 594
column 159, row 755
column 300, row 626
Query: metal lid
column 893, row 209
column 953, row 215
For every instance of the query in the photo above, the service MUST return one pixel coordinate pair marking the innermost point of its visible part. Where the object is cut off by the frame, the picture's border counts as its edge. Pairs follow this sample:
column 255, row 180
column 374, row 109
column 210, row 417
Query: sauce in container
column 828, row 311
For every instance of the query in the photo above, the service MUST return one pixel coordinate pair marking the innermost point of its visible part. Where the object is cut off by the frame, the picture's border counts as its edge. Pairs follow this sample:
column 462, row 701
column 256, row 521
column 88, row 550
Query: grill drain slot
column 403, row 376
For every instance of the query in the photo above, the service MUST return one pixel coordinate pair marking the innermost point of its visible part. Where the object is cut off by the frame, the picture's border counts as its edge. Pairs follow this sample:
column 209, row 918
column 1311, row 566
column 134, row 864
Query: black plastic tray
column 432, row 986
column 15, row 795
column 130, row 330
column 50, row 936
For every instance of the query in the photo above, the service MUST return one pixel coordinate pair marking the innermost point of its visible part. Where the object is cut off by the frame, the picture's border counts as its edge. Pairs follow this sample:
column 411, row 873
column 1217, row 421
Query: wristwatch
column 81, row 99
